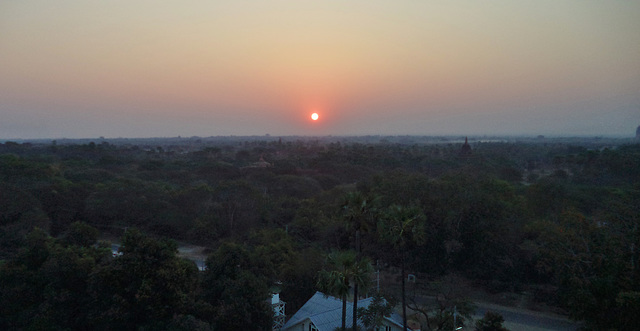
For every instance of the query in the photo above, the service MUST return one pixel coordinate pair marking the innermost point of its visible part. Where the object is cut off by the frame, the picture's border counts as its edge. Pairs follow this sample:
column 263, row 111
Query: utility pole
column 378, row 276
column 455, row 314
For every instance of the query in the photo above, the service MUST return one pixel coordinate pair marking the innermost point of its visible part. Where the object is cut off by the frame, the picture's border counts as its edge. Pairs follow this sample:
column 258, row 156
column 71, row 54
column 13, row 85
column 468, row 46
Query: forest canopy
column 556, row 217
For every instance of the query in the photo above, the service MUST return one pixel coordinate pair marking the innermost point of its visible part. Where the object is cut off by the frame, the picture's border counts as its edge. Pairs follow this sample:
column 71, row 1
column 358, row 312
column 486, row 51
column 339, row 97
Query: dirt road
column 517, row 319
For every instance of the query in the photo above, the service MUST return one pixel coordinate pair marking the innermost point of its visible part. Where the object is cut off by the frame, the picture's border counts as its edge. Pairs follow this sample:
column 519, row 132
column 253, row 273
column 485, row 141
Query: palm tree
column 400, row 226
column 335, row 279
column 343, row 269
column 357, row 211
column 360, row 277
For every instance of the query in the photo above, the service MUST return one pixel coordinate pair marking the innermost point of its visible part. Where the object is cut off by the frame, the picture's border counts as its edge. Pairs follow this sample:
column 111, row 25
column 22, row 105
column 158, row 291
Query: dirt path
column 519, row 310
column 194, row 253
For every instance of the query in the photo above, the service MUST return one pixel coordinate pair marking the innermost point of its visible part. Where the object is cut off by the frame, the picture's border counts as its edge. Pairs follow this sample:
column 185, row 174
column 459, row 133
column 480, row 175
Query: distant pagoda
column 638, row 132
column 465, row 150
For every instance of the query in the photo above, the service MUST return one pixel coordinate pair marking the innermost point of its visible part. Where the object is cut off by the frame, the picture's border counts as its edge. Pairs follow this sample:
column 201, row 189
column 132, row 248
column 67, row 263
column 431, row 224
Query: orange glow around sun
column 314, row 116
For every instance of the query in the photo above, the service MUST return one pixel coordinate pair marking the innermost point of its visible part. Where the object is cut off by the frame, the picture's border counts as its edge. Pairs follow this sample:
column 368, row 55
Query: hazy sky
column 90, row 68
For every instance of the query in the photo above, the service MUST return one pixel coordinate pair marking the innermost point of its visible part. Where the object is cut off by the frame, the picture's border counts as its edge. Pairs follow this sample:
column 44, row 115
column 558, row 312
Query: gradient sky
column 90, row 68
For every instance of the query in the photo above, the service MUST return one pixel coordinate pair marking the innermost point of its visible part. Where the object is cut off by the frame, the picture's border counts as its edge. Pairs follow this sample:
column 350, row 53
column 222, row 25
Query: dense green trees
column 560, row 214
column 589, row 263
column 235, row 289
column 46, row 285
column 75, row 283
column 147, row 284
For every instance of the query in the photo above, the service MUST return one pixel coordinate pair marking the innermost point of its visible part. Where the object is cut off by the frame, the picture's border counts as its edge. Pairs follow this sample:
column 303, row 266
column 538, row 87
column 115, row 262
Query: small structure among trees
column 465, row 150
column 278, row 310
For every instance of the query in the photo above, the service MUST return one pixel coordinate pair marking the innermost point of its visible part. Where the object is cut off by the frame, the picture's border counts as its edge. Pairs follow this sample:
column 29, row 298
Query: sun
column 314, row 116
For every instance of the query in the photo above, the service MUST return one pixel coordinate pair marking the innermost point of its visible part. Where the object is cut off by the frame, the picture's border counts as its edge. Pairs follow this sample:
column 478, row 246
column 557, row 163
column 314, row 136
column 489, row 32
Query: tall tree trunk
column 404, row 304
column 344, row 313
column 355, row 307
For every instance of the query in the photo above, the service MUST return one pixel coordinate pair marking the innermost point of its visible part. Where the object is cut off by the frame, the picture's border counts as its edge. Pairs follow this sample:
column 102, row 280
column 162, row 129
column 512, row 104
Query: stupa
column 465, row 150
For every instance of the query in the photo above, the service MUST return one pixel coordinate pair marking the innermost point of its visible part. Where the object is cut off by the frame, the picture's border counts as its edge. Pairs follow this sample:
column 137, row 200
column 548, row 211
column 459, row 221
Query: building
column 324, row 313
column 465, row 150
column 278, row 310
column 261, row 163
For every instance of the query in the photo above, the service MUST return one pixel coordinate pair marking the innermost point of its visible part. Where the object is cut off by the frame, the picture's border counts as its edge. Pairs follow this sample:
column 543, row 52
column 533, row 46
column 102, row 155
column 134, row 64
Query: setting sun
column 314, row 116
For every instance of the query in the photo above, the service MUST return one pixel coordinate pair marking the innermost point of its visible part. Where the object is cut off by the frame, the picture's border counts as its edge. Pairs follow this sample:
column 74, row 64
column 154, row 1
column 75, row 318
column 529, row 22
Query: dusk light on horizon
column 80, row 69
